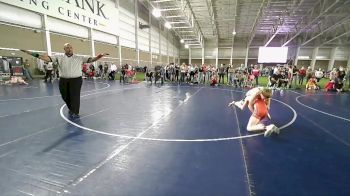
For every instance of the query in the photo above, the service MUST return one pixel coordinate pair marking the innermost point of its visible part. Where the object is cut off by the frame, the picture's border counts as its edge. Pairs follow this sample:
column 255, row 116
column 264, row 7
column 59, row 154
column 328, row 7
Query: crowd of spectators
column 279, row 76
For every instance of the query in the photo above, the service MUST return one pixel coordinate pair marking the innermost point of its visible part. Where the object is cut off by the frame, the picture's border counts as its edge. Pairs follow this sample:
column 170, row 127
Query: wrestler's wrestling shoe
column 230, row 104
column 270, row 129
column 276, row 129
column 239, row 104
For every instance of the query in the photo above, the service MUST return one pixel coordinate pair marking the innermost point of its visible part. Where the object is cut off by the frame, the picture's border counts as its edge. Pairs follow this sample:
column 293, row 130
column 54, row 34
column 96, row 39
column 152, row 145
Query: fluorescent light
column 186, row 46
column 178, row 16
column 234, row 33
column 167, row 25
column 182, row 41
column 156, row 13
column 303, row 57
column 160, row 1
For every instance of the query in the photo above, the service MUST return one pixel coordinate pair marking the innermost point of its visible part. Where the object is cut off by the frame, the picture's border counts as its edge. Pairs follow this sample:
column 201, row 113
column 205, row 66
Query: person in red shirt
column 330, row 86
column 256, row 74
column 301, row 75
column 214, row 80
column 85, row 69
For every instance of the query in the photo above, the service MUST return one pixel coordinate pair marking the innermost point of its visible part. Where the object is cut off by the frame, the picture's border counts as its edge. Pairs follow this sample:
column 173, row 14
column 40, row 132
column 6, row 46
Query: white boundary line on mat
column 326, row 113
column 176, row 140
column 29, row 98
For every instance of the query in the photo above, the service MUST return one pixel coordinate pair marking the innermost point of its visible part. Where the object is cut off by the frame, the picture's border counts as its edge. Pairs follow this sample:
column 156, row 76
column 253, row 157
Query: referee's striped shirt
column 69, row 67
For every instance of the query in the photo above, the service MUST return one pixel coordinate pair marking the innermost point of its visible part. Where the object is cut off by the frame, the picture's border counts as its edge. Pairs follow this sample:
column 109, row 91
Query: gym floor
column 144, row 139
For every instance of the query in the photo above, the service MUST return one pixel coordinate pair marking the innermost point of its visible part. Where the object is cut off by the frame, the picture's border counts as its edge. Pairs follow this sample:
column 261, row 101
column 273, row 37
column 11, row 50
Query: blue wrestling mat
column 153, row 140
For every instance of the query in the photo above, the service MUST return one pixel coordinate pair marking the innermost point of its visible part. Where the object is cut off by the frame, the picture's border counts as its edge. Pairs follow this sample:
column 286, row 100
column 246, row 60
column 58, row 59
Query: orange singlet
column 260, row 109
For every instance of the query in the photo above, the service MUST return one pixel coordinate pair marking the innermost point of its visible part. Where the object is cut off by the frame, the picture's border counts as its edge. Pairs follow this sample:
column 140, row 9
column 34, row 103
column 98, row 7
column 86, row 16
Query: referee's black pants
column 70, row 92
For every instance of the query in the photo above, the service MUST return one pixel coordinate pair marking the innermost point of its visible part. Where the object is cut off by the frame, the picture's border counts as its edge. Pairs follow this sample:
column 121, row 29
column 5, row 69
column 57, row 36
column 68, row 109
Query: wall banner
column 98, row 14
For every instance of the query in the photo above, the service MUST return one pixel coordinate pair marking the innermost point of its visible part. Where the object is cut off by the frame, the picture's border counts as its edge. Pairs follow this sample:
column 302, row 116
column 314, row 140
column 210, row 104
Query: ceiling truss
column 257, row 22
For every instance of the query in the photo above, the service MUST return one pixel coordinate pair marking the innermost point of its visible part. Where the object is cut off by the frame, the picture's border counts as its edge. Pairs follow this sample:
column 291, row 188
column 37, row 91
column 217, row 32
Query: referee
column 70, row 69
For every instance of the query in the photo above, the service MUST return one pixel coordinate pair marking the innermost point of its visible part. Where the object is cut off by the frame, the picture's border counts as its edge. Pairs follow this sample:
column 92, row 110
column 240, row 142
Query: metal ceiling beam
column 323, row 11
column 341, row 42
column 282, row 21
column 234, row 23
column 170, row 9
column 209, row 19
column 194, row 18
column 181, row 28
column 150, row 4
column 178, row 22
column 212, row 16
column 346, row 19
column 161, row 1
column 201, row 12
column 180, row 9
column 258, row 16
column 336, row 37
column 199, row 44
column 174, row 16
column 233, row 29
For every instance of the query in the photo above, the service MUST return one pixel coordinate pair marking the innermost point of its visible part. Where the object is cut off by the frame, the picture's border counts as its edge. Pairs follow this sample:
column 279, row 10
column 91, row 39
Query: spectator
column 48, row 71
column 330, row 86
column 256, row 73
column 312, row 84
column 26, row 67
column 309, row 73
column 231, row 74
column 16, row 80
column 333, row 74
column 221, row 72
column 111, row 74
column 347, row 76
column 123, row 72
column 214, row 80
column 295, row 71
column 341, row 73
column 319, row 74
column 100, row 70
column 338, row 82
column 105, row 71
column 302, row 74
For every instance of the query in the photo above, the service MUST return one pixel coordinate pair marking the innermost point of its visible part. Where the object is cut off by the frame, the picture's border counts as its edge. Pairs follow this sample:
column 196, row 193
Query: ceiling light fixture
column 233, row 32
column 182, row 41
column 156, row 13
column 186, row 46
column 167, row 25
